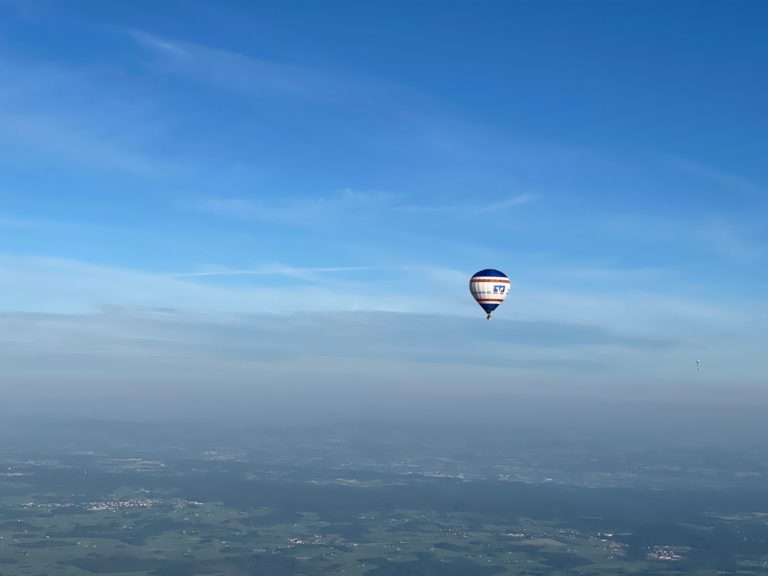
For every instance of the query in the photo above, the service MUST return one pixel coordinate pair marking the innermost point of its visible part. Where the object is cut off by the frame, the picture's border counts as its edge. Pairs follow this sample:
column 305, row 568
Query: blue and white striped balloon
column 489, row 288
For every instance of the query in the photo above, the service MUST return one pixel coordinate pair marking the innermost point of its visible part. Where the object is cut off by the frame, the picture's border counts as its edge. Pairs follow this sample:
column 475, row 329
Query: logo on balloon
column 499, row 288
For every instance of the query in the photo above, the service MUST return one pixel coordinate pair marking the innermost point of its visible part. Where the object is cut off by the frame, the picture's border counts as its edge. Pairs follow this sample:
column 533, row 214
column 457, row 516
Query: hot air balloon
column 489, row 288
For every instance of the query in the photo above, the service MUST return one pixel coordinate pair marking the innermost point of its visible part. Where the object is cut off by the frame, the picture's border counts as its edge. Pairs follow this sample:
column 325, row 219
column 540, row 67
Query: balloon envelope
column 489, row 288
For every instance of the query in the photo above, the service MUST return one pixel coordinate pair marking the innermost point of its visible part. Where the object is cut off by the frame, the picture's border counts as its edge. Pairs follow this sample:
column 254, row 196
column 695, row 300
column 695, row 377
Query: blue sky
column 201, row 185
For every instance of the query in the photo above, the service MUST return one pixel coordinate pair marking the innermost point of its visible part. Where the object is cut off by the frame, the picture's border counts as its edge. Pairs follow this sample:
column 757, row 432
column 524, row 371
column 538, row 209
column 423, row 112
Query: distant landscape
column 164, row 499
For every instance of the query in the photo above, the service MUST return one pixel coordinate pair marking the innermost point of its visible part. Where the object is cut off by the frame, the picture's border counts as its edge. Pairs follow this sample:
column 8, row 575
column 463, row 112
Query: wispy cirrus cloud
column 70, row 286
column 479, row 207
column 71, row 309
column 738, row 238
column 307, row 273
column 729, row 182
column 300, row 210
column 76, row 311
column 348, row 205
column 231, row 71
column 85, row 123
column 249, row 75
column 744, row 242
column 15, row 222
column 56, row 136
